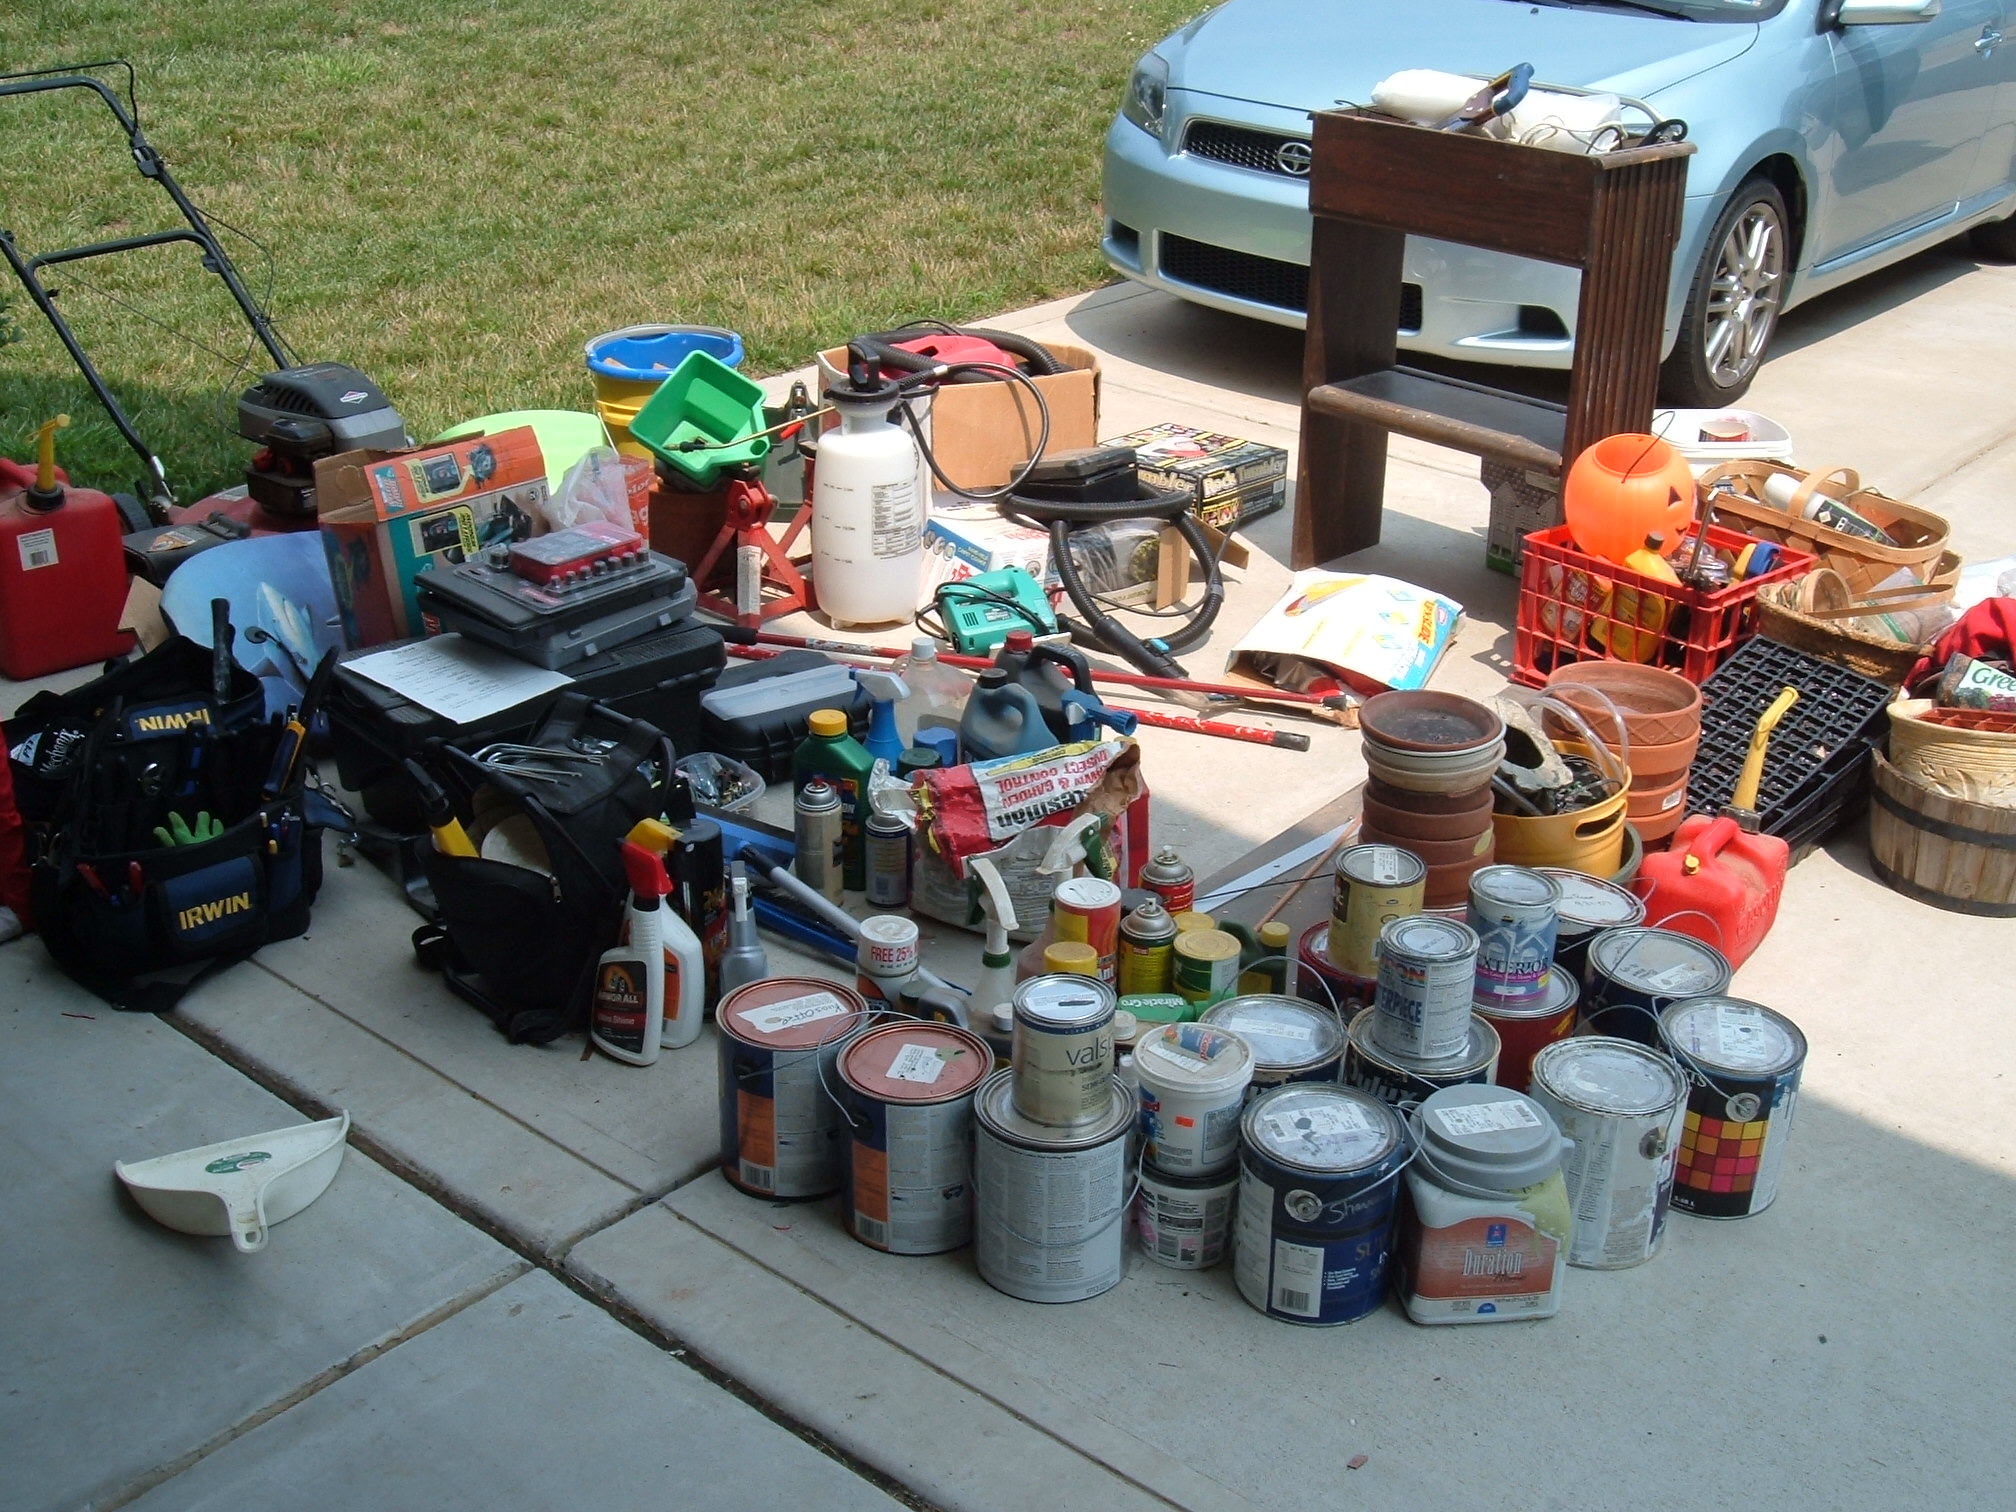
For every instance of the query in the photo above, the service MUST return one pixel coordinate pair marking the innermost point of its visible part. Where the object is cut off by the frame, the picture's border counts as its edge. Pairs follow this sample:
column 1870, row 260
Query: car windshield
column 1678, row 10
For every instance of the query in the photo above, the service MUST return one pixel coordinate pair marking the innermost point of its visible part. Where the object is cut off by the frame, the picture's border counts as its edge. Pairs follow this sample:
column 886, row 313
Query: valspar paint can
column 1185, row 1222
column 1742, row 1063
column 1063, row 1055
column 1375, row 884
column 1512, row 911
column 1088, row 909
column 1589, row 905
column 1050, row 1204
column 1525, row 1031
column 1634, row 973
column 1193, row 1080
column 1427, row 975
column 909, row 1094
column 1319, row 1178
column 1291, row 1040
column 1395, row 1079
column 781, row 1038
column 1620, row 1106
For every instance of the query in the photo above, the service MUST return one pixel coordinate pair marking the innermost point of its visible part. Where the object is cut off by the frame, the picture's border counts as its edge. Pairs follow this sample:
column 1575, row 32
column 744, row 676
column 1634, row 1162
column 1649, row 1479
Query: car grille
column 1240, row 146
column 1259, row 280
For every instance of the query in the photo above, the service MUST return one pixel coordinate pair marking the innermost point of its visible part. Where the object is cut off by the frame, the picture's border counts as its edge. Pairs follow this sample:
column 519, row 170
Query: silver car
column 1834, row 137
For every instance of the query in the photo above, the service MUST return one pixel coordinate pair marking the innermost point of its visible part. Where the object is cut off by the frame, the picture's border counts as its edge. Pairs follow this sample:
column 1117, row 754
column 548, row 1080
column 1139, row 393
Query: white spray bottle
column 627, row 1016
column 745, row 960
column 994, row 993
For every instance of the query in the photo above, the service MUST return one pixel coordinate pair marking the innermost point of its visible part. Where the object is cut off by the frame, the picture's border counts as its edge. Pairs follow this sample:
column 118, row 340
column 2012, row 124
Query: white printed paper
column 1318, row 1122
column 768, row 1018
column 458, row 679
column 1487, row 1118
column 1681, row 977
column 38, row 549
column 917, row 1063
column 1286, row 1031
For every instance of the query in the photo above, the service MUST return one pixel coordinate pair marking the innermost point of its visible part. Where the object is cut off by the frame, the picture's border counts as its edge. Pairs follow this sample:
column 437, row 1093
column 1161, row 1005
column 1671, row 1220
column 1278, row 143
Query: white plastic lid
column 1195, row 1058
column 765, row 694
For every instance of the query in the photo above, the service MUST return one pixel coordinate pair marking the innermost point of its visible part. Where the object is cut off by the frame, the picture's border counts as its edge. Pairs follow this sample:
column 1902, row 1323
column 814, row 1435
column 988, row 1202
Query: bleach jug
column 62, row 568
column 1002, row 718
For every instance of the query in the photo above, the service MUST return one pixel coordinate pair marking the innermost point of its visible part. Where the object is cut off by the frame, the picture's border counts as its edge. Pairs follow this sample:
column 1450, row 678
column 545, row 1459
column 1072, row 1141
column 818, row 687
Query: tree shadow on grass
column 194, row 434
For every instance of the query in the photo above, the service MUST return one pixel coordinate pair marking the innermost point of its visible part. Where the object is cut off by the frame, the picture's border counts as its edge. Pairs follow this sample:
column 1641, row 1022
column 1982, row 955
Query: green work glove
column 179, row 831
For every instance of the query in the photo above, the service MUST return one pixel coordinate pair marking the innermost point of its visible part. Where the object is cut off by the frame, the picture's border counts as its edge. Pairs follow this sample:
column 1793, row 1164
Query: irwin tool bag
column 180, row 831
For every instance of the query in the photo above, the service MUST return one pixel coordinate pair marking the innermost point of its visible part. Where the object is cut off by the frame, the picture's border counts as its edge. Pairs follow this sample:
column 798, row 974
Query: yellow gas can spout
column 45, row 460
column 1742, row 805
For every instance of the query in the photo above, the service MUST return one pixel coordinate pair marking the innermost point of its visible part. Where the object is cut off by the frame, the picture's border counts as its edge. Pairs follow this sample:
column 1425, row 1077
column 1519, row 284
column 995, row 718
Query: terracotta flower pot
column 1471, row 800
column 1657, row 811
column 1658, row 706
column 1392, row 819
column 1656, row 765
column 1434, row 723
column 1435, row 852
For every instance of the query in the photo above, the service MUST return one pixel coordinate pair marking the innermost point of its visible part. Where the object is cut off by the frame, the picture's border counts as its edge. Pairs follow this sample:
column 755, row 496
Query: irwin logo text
column 209, row 913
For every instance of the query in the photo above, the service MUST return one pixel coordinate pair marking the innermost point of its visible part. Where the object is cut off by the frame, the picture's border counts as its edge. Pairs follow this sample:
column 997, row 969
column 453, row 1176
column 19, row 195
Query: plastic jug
column 867, row 513
column 1002, row 718
column 1715, row 883
column 937, row 692
column 62, row 569
column 1046, row 671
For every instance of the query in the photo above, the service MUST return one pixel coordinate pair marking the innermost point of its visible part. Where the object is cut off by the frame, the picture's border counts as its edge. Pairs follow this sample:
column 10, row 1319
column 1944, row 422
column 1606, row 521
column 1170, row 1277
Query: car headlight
column 1147, row 92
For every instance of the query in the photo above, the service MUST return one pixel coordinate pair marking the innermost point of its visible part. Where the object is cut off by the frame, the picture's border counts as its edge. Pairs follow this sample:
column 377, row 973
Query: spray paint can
column 1742, row 1062
column 781, row 1038
column 1171, row 879
column 886, row 960
column 1512, row 914
column 1395, row 1079
column 886, row 840
column 1087, row 909
column 1185, row 1221
column 1427, row 975
column 1063, row 1055
column 1621, row 1107
column 1375, row 884
column 1147, row 962
column 819, row 837
column 909, row 1091
column 1206, row 967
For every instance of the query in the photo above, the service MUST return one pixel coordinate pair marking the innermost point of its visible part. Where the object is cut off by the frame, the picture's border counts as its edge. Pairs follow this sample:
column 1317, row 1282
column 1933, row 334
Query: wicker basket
column 1920, row 535
column 1787, row 614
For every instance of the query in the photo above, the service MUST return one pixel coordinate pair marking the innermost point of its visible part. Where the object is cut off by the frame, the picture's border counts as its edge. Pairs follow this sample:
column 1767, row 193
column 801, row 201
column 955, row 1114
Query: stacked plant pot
column 1431, row 758
column 1662, row 716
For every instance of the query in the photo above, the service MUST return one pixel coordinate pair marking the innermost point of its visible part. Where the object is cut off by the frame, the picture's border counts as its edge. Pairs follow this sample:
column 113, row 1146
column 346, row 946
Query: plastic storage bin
column 704, row 400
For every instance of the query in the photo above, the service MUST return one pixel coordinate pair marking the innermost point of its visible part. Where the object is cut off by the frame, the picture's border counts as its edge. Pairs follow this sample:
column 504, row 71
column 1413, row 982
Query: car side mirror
column 1885, row 12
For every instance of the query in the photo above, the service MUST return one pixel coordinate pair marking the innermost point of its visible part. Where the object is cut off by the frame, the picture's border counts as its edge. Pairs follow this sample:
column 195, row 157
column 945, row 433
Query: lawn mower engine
column 301, row 414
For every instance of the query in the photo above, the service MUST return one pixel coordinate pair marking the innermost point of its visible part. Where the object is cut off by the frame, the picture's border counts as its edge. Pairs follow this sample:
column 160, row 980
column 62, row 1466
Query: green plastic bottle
column 830, row 752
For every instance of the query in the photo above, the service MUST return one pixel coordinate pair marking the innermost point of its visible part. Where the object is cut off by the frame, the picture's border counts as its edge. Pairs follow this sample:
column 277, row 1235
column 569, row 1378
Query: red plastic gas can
column 62, row 577
column 1716, row 883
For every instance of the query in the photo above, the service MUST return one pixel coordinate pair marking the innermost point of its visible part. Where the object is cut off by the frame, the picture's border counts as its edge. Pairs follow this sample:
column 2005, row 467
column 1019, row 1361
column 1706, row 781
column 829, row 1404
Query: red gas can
column 62, row 572
column 1716, row 883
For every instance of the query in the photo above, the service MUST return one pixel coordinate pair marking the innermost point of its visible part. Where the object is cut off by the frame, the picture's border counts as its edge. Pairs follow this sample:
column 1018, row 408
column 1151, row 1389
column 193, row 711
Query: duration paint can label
column 1063, row 1054
column 909, row 1092
column 1742, row 1062
column 1620, row 1105
column 781, row 1130
column 1050, row 1209
column 1185, row 1222
column 1427, row 976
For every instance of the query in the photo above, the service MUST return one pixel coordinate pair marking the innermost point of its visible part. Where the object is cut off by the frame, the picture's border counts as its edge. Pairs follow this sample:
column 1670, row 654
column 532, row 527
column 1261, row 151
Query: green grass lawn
column 456, row 196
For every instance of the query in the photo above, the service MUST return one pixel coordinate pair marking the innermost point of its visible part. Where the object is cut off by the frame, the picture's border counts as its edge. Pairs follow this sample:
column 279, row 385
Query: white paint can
column 1063, row 1056
column 1185, row 1222
column 1049, row 1204
column 1622, row 1106
column 1193, row 1080
column 1427, row 976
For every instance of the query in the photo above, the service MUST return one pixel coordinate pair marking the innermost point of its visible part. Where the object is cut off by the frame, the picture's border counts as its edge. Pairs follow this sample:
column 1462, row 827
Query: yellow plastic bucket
column 626, row 366
column 1589, row 840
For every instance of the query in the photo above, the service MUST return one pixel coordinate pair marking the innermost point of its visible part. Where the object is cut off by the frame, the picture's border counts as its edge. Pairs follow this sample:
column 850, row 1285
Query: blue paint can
column 1319, row 1168
column 1635, row 972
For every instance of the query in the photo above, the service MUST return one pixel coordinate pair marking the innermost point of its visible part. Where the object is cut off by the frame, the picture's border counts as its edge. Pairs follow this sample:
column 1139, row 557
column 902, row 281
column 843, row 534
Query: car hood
column 1313, row 54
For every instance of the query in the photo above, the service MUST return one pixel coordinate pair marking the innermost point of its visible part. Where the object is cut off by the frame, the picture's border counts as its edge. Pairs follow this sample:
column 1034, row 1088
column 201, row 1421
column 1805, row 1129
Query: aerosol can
column 868, row 504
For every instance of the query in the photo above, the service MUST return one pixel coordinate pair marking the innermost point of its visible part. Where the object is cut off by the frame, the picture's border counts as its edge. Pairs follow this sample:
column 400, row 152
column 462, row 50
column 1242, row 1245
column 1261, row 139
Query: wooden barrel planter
column 1947, row 852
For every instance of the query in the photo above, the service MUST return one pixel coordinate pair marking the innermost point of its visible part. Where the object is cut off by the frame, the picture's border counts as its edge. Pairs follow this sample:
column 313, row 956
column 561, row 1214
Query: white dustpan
column 242, row 1186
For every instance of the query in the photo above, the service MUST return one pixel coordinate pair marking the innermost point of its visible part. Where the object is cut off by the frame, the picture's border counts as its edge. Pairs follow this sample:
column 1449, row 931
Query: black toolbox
column 768, row 741
column 658, row 679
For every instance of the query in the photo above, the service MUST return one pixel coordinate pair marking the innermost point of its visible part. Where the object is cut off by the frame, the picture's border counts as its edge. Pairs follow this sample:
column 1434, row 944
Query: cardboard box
column 982, row 432
column 388, row 516
column 1231, row 481
column 963, row 543
column 1521, row 503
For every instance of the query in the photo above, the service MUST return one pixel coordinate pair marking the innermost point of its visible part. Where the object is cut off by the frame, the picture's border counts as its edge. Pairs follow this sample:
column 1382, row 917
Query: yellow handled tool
column 1742, row 804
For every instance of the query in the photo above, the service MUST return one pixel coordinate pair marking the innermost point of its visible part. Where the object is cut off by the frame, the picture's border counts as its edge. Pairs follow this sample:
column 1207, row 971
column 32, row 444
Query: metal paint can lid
column 1196, row 1058
column 1064, row 1001
column 1425, row 938
column 1590, row 903
column 1487, row 1139
column 1286, row 1033
column 1660, row 962
column 1381, row 866
column 1731, row 1034
column 1517, row 886
column 994, row 1107
column 1559, row 991
column 1480, row 1049
column 916, row 1062
column 1598, row 1074
column 1318, row 1127
column 790, row 1013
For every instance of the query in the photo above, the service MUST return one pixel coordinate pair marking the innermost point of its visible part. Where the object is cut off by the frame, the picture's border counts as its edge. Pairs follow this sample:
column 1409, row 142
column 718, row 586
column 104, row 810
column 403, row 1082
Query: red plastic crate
column 1569, row 603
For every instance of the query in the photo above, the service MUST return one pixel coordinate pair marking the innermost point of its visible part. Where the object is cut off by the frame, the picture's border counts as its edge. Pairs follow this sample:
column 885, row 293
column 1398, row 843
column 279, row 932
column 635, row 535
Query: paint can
column 1291, row 1040
column 1427, row 975
column 1635, row 972
column 1525, row 1031
column 886, row 844
column 781, row 1038
column 1589, row 905
column 1063, row 1054
column 1171, row 879
column 1396, row 1079
column 1185, row 1222
column 909, row 1101
column 1206, row 966
column 1742, row 1063
column 1050, row 1204
column 1319, row 981
column 1192, row 1080
column 1512, row 911
column 1620, row 1107
column 1087, row 909
column 1147, row 963
column 1319, row 1182
column 1374, row 885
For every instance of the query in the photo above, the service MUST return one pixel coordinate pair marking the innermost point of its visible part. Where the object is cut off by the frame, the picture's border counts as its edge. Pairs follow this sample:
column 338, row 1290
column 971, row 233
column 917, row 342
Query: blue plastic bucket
column 649, row 353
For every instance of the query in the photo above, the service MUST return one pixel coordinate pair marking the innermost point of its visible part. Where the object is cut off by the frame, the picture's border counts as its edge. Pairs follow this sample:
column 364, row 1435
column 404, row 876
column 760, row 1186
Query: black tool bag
column 521, row 941
column 145, row 752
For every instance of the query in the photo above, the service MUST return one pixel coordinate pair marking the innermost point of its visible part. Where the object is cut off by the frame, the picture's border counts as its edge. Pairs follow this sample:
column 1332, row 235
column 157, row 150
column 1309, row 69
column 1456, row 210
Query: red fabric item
column 13, row 844
column 1987, row 632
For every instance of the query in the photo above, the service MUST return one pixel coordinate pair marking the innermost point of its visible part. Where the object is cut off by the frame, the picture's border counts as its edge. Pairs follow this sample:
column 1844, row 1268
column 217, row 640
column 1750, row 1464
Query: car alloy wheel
column 1744, row 295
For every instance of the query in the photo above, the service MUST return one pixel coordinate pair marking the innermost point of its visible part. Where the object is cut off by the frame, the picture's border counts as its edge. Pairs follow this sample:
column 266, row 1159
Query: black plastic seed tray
column 1816, row 772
